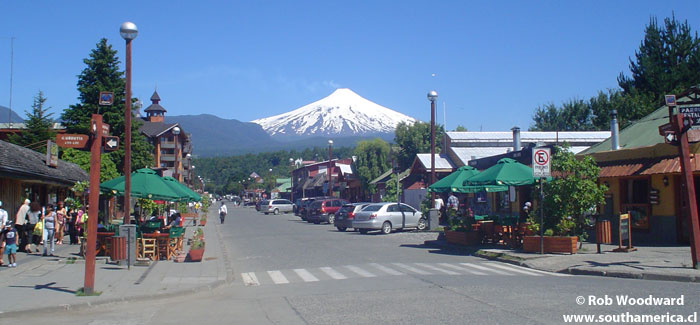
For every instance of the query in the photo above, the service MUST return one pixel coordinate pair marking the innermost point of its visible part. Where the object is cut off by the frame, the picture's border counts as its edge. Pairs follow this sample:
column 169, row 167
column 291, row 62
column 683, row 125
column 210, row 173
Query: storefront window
column 635, row 199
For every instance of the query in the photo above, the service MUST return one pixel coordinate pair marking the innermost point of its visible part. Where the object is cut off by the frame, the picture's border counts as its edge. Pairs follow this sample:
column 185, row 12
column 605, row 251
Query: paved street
column 292, row 272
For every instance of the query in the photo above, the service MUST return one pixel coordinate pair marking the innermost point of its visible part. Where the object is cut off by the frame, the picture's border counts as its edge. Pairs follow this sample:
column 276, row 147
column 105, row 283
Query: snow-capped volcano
column 342, row 113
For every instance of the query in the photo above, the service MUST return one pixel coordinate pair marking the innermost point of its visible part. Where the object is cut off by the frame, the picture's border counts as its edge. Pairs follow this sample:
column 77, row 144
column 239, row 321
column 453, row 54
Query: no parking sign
column 541, row 162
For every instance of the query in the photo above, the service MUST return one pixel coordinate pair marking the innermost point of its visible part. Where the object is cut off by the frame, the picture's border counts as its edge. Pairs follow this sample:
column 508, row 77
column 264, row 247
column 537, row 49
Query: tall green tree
column 102, row 74
column 108, row 170
column 372, row 161
column 39, row 126
column 414, row 139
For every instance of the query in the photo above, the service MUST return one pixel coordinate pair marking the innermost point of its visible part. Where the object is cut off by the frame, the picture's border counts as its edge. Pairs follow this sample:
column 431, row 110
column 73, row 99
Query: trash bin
column 603, row 233
column 118, row 252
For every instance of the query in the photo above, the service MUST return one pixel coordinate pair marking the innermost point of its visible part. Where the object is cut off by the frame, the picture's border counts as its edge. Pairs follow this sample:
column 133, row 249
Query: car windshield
column 373, row 207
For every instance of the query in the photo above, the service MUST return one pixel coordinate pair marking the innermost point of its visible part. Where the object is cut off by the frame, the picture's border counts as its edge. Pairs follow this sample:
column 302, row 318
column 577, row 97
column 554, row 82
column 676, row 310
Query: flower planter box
column 464, row 238
column 552, row 244
column 195, row 255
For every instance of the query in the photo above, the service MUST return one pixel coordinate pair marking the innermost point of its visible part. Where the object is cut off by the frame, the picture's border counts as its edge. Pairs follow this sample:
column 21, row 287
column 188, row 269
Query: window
column 406, row 208
column 392, row 208
column 372, row 207
column 634, row 197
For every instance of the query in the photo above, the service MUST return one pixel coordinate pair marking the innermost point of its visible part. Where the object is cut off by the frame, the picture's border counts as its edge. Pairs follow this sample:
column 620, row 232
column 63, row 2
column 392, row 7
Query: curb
column 138, row 298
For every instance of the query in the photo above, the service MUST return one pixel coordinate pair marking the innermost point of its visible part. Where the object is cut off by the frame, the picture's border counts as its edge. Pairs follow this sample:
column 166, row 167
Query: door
column 410, row 215
column 394, row 215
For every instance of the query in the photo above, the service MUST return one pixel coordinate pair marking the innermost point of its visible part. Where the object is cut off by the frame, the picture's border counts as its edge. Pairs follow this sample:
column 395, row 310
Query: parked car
column 388, row 216
column 276, row 206
column 323, row 210
column 346, row 214
column 303, row 209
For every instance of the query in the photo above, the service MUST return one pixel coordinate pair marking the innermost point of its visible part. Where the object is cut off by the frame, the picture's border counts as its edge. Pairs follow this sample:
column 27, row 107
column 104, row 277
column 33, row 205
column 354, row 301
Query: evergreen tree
column 39, row 126
column 102, row 74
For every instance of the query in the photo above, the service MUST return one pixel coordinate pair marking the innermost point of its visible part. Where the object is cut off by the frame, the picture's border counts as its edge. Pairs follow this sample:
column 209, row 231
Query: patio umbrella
column 506, row 172
column 450, row 182
column 145, row 183
column 182, row 189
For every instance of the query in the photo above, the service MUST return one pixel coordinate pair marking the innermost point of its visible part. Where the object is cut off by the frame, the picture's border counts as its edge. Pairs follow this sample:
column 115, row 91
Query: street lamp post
column 330, row 154
column 432, row 96
column 291, row 174
column 128, row 32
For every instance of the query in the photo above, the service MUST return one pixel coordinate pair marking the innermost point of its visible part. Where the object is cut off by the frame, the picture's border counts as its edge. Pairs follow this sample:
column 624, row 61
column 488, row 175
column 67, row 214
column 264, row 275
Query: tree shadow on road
column 48, row 286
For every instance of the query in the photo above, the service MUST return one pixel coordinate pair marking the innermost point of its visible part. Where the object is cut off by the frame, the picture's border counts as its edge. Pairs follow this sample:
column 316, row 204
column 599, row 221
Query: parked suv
column 346, row 214
column 276, row 206
column 324, row 210
column 303, row 208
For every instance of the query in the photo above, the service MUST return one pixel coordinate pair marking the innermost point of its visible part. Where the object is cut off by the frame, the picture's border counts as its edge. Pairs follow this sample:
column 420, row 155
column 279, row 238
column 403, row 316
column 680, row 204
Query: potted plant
column 197, row 246
column 567, row 201
column 203, row 220
column 459, row 230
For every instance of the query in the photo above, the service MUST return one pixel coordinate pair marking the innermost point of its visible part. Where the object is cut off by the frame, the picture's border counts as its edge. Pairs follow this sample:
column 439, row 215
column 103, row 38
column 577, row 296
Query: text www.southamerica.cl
column 628, row 317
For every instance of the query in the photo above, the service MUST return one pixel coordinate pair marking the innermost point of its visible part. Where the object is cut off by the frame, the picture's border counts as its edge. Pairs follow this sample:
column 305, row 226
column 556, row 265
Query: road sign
column 541, row 162
column 665, row 128
column 670, row 100
column 106, row 98
column 105, row 129
column 692, row 112
column 671, row 138
column 78, row 141
column 111, row 143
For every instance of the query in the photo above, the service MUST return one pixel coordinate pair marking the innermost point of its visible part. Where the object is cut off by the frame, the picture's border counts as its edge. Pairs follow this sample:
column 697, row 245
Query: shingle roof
column 20, row 162
column 154, row 129
column 155, row 108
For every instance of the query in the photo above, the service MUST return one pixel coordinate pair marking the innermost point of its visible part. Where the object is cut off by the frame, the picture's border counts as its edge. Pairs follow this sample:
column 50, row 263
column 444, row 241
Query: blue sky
column 493, row 62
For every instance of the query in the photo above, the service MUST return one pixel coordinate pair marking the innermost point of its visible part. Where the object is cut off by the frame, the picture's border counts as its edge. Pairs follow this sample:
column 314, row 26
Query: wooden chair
column 148, row 248
column 174, row 241
column 162, row 248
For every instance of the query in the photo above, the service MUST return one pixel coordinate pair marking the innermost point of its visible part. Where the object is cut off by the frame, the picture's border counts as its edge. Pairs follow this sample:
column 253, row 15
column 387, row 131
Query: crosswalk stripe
column 386, row 269
column 250, row 279
column 434, row 268
column 539, row 271
column 455, row 267
column 333, row 273
column 412, row 269
column 277, row 277
column 360, row 271
column 486, row 269
column 512, row 269
column 305, row 275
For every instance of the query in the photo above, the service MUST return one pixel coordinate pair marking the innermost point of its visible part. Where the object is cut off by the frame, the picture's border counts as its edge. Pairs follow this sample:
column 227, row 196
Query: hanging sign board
column 541, row 162
column 77, row 141
column 51, row 154
column 106, row 98
column 692, row 112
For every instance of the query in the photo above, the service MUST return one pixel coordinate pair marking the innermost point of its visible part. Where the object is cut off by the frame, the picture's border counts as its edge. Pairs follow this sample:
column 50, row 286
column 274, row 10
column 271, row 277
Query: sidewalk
column 648, row 262
column 50, row 283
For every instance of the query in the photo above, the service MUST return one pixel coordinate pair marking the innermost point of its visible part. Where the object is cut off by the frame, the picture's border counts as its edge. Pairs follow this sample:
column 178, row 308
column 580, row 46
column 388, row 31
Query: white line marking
column 277, row 277
column 249, row 279
column 412, row 269
column 333, row 273
column 305, row 275
column 512, row 269
column 455, row 267
column 486, row 269
column 386, row 269
column 428, row 266
column 539, row 271
column 360, row 271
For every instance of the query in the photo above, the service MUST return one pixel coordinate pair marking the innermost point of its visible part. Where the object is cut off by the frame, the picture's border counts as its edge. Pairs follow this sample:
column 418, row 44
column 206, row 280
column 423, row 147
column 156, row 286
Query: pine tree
column 39, row 126
column 102, row 74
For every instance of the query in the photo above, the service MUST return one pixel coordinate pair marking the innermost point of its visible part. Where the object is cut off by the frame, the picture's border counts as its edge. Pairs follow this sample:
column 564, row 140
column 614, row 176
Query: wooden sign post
column 625, row 233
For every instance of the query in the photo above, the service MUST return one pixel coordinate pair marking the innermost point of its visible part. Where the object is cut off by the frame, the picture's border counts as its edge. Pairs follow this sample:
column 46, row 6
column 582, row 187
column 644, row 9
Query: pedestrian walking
column 20, row 225
column 49, row 230
column 71, row 216
column 452, row 202
column 8, row 237
column 3, row 223
column 33, row 231
column 222, row 212
column 60, row 222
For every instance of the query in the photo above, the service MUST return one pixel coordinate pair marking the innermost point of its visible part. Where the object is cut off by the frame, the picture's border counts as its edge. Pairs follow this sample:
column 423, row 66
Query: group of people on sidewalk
column 37, row 225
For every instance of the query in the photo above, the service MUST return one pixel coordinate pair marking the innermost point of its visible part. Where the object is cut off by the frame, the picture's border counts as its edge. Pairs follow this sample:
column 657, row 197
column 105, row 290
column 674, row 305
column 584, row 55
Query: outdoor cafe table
column 161, row 240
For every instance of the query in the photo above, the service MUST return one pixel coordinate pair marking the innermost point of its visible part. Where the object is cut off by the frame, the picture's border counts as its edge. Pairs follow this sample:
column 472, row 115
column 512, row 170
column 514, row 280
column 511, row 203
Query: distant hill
column 215, row 136
column 4, row 115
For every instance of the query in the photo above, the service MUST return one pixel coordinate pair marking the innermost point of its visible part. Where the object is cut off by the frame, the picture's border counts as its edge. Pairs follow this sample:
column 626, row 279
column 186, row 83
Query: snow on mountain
column 343, row 113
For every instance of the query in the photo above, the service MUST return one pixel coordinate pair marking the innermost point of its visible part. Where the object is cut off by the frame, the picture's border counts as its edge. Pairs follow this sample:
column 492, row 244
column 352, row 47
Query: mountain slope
column 342, row 113
column 4, row 115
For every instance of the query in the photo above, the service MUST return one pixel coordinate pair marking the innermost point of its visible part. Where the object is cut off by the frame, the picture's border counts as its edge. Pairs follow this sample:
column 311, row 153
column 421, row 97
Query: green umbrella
column 145, row 183
column 506, row 172
column 181, row 189
column 451, row 182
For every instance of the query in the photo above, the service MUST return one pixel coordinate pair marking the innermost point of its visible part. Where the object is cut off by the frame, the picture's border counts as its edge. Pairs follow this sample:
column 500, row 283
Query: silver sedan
column 388, row 216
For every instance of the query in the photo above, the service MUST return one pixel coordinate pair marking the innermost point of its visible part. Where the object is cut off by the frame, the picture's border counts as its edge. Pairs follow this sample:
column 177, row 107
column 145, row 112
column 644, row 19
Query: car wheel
column 363, row 231
column 421, row 224
column 386, row 227
column 331, row 218
column 342, row 229
column 276, row 212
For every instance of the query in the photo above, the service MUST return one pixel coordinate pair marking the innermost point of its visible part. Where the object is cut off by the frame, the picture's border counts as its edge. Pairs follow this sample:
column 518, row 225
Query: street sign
column 111, row 143
column 670, row 100
column 665, row 128
column 78, row 141
column 541, row 162
column 106, row 98
column 692, row 112
column 105, row 129
column 671, row 138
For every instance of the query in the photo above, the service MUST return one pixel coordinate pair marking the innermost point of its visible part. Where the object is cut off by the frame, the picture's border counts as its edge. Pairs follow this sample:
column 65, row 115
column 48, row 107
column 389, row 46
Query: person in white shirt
column 222, row 212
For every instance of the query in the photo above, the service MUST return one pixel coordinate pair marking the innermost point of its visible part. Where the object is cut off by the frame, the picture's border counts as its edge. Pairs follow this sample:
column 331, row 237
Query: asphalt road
column 292, row 272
